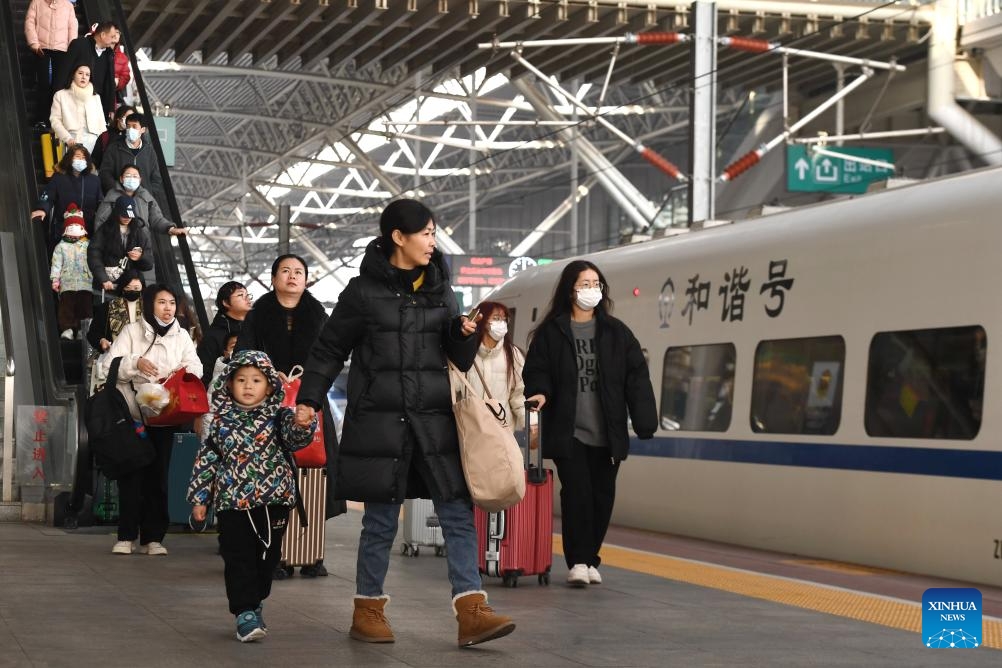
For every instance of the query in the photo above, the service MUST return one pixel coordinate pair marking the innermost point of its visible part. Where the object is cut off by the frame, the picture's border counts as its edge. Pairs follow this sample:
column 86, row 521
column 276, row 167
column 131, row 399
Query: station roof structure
column 312, row 103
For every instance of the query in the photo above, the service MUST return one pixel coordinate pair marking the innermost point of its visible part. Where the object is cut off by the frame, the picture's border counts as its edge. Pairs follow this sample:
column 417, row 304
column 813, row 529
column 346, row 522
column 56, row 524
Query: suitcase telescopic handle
column 535, row 472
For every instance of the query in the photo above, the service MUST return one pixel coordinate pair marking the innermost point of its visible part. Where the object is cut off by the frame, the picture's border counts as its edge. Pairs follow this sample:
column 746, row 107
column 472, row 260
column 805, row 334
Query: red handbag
column 187, row 400
column 314, row 455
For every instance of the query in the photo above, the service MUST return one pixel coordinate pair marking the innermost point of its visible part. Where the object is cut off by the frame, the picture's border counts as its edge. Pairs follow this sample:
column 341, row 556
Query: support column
column 284, row 226
column 702, row 127
column 471, row 242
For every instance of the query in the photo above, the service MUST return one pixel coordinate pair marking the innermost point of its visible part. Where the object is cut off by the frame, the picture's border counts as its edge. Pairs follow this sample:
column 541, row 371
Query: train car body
column 823, row 378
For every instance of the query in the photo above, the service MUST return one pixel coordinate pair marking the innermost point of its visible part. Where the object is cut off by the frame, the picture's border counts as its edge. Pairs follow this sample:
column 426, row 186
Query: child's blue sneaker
column 249, row 627
column 260, row 617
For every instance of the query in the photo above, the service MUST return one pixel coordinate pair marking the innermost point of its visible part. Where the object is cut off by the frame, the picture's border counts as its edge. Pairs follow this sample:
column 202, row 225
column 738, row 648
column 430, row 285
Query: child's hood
column 255, row 358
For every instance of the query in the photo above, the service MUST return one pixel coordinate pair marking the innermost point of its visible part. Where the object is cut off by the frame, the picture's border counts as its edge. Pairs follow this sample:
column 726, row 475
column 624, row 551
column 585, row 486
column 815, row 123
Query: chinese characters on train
column 733, row 288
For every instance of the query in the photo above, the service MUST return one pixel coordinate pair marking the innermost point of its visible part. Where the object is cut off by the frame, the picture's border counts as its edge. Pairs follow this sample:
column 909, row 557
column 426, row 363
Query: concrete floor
column 66, row 601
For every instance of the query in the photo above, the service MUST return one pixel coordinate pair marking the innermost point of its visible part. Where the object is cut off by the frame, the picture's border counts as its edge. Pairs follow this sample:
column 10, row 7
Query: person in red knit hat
column 70, row 275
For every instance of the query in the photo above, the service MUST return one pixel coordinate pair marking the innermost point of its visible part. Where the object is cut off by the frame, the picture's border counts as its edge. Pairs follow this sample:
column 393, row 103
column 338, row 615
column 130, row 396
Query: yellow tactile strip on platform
column 850, row 604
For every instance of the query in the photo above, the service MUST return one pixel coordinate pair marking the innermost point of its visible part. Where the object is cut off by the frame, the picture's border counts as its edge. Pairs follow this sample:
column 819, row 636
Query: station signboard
column 487, row 271
column 807, row 171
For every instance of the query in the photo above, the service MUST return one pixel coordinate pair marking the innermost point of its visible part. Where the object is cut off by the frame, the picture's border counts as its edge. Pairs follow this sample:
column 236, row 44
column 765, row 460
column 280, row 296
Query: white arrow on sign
column 802, row 167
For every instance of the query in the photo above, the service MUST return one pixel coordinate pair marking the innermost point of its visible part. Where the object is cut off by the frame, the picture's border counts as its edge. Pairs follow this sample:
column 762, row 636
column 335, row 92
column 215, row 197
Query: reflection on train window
column 697, row 387
column 926, row 383
column 797, row 386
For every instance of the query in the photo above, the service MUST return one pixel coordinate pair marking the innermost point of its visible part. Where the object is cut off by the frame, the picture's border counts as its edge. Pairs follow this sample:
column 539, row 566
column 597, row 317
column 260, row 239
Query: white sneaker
column 578, row 575
column 67, row 334
column 594, row 577
column 122, row 547
column 153, row 549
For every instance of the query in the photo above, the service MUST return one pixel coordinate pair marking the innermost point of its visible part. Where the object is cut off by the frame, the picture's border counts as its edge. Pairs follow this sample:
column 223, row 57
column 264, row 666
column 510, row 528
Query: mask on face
column 131, row 295
column 588, row 298
column 132, row 134
column 130, row 184
column 497, row 330
column 79, row 165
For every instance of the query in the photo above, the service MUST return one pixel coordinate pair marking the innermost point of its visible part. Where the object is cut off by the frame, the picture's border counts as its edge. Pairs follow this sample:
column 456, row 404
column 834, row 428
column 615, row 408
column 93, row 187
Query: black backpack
column 118, row 449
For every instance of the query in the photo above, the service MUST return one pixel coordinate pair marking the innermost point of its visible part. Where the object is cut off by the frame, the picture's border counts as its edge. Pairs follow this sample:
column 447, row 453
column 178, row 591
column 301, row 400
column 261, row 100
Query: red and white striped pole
column 663, row 38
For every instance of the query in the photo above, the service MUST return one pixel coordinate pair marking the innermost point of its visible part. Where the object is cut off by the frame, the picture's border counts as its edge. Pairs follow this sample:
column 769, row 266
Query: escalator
column 48, row 369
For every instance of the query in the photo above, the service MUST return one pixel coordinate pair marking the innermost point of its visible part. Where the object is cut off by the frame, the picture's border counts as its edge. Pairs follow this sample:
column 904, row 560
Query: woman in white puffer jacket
column 77, row 116
column 500, row 362
column 151, row 349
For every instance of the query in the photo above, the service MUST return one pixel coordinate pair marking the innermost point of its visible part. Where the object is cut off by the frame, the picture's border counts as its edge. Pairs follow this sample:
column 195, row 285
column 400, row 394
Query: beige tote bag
column 492, row 460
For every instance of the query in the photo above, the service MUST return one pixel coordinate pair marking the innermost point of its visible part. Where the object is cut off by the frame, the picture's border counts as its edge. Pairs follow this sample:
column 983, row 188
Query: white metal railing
column 970, row 10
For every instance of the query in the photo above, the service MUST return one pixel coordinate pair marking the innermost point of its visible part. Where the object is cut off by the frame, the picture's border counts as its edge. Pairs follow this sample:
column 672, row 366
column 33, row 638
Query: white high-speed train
column 822, row 377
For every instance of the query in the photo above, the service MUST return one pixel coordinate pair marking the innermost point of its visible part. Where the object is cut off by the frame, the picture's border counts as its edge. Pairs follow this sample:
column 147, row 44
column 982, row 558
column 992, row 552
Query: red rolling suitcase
column 519, row 541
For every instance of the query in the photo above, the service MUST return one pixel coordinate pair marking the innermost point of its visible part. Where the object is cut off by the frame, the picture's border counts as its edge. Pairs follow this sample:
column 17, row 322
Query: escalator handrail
column 113, row 8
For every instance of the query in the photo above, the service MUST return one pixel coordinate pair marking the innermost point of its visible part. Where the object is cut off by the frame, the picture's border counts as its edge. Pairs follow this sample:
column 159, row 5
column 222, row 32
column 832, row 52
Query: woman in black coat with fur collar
column 284, row 324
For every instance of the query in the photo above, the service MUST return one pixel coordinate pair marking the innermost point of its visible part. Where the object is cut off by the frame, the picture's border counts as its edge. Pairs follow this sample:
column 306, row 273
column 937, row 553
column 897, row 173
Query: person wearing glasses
column 587, row 373
column 233, row 303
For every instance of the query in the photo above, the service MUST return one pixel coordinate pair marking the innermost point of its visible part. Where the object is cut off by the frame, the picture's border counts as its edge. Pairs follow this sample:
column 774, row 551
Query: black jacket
column 83, row 189
column 118, row 155
column 81, row 51
column 399, row 401
column 624, row 382
column 106, row 249
column 214, row 341
column 265, row 328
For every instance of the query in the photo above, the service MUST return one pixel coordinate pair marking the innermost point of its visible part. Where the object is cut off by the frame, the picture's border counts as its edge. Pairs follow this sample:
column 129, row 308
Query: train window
column 926, row 383
column 797, row 386
column 697, row 387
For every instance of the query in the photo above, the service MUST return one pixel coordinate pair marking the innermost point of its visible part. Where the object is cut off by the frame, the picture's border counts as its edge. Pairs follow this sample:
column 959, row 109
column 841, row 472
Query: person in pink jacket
column 49, row 27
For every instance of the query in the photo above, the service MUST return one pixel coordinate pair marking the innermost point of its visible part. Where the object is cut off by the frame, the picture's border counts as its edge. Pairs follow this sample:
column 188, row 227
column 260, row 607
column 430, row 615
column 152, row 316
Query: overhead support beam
column 702, row 129
column 639, row 209
column 153, row 69
column 943, row 107
column 885, row 12
column 448, row 244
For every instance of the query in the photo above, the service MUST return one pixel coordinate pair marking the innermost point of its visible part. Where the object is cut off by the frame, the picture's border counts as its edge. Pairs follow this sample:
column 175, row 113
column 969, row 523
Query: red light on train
column 636, row 292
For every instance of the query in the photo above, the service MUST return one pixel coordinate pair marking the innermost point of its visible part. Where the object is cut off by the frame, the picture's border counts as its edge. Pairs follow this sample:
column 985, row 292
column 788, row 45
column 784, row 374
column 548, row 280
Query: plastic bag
column 152, row 398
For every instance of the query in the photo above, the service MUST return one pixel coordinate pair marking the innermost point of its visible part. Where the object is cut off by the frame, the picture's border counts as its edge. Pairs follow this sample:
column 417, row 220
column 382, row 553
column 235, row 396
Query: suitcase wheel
column 281, row 573
column 440, row 551
column 544, row 578
column 510, row 580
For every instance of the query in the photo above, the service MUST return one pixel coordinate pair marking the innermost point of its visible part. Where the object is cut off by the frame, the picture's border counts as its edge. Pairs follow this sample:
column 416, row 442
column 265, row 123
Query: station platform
column 65, row 600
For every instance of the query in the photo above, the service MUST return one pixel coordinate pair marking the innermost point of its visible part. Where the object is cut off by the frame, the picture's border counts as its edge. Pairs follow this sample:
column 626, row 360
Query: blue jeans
column 379, row 528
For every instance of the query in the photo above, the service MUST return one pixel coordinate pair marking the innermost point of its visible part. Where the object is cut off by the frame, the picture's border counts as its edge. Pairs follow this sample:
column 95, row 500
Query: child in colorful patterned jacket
column 243, row 468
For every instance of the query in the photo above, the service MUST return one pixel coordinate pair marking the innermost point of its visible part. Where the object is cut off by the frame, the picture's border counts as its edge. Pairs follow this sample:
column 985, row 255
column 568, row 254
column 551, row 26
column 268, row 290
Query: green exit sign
column 809, row 171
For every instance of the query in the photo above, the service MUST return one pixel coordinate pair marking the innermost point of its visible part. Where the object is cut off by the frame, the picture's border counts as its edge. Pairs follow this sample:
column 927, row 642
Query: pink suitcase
column 519, row 541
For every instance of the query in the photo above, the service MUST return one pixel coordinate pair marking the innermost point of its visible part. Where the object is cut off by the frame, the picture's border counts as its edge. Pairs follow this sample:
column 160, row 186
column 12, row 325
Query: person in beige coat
column 500, row 362
column 151, row 349
column 77, row 116
column 49, row 27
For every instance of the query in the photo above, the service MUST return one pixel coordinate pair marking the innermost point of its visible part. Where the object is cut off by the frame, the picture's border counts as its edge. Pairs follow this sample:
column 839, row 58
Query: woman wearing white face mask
column 499, row 363
column 588, row 374
column 73, row 182
column 130, row 184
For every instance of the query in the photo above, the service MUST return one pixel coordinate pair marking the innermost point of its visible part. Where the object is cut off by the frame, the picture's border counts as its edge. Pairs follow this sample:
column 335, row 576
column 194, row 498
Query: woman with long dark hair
column 498, row 365
column 399, row 321
column 587, row 372
column 151, row 349
column 75, row 181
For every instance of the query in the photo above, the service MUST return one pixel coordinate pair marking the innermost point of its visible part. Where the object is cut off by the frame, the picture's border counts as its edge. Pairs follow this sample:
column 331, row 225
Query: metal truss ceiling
column 260, row 88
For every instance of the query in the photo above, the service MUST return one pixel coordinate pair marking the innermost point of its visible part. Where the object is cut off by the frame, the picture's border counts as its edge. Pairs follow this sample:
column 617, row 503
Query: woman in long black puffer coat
column 399, row 322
